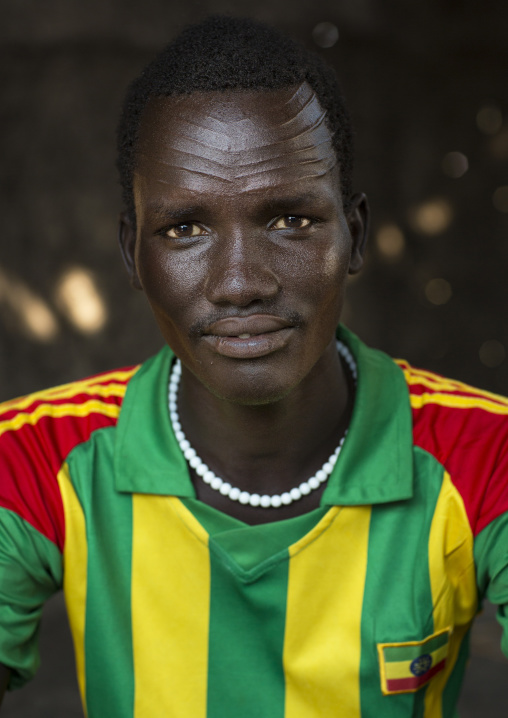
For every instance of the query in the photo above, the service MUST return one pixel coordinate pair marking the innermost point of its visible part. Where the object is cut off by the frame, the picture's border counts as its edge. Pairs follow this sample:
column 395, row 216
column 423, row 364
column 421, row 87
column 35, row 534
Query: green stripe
column 491, row 556
column 108, row 634
column 453, row 686
column 30, row 572
column 247, row 619
column 409, row 653
column 397, row 603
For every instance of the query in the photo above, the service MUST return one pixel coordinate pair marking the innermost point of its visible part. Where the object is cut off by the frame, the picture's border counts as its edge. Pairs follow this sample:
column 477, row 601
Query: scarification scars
column 213, row 136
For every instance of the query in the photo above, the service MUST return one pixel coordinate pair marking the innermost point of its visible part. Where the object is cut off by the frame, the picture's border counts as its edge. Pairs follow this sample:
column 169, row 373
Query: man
column 273, row 523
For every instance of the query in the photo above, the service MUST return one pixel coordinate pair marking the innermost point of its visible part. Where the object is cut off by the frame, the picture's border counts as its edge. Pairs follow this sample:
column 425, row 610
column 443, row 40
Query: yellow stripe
column 58, row 411
column 400, row 669
column 104, row 390
column 434, row 381
column 170, row 609
column 322, row 677
column 93, row 385
column 455, row 401
column 453, row 582
column 75, row 571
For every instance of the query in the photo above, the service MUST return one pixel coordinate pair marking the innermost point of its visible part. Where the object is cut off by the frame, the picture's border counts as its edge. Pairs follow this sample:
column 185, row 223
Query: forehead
column 233, row 141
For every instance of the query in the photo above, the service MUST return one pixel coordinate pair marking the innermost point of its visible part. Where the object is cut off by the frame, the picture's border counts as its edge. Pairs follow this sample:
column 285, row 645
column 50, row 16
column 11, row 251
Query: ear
column 127, row 241
column 358, row 222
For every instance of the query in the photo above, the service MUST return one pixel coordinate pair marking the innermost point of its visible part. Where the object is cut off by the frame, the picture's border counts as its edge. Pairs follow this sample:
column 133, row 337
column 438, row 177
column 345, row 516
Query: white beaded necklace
column 224, row 487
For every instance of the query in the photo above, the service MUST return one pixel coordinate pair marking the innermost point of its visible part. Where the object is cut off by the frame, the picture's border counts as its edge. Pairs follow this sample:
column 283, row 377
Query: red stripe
column 408, row 684
column 472, row 445
column 9, row 409
column 30, row 459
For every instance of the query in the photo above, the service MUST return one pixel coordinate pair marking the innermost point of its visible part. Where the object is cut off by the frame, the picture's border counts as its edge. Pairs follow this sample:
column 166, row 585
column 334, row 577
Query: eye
column 184, row 230
column 291, row 221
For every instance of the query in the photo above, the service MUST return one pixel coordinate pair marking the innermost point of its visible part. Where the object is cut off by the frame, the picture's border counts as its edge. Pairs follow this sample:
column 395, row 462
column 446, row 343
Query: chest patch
column 406, row 667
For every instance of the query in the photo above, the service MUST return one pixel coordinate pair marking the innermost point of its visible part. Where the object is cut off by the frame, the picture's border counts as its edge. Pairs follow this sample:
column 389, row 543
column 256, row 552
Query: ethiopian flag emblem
column 406, row 667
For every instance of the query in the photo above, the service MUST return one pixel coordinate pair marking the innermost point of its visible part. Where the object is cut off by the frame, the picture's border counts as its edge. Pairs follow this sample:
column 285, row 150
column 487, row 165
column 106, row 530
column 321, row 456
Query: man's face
column 242, row 245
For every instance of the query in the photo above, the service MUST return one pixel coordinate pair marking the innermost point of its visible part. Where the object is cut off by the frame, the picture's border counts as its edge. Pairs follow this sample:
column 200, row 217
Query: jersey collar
column 375, row 465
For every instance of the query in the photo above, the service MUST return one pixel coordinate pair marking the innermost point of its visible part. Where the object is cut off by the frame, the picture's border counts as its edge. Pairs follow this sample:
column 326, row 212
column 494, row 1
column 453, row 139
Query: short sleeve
column 30, row 572
column 491, row 557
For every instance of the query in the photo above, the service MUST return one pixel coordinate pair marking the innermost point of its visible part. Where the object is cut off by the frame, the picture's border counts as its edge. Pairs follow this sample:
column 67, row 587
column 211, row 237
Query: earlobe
column 358, row 222
column 127, row 242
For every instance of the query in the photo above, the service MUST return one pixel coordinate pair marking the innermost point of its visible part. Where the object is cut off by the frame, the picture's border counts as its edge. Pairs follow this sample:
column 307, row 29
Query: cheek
column 166, row 276
column 319, row 276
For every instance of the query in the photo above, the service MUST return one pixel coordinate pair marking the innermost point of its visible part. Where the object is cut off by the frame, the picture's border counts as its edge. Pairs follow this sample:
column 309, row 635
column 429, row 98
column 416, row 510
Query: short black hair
column 231, row 53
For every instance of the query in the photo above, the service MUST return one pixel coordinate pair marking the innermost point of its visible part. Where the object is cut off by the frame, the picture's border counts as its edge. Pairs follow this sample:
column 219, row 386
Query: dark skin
column 243, row 249
column 241, row 230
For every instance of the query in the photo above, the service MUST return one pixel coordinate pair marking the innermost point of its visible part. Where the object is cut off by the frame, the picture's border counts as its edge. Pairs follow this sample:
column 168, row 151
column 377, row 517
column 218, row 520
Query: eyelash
column 311, row 222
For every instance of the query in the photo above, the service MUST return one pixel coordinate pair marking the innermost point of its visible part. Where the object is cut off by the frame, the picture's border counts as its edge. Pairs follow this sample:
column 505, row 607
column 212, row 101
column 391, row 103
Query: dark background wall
column 427, row 86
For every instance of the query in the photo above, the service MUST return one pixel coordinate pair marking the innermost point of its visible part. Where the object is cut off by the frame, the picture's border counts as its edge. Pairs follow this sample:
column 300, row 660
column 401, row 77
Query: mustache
column 201, row 325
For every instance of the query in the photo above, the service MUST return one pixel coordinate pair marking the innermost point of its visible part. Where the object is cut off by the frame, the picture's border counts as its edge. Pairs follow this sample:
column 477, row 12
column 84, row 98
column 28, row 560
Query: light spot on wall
column 80, row 300
column 390, row 241
column 431, row 217
column 489, row 119
column 455, row 164
column 325, row 34
column 438, row 291
column 33, row 316
column 492, row 353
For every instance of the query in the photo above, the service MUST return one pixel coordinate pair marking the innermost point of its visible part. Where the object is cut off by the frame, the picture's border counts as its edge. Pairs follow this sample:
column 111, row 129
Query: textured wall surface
column 426, row 83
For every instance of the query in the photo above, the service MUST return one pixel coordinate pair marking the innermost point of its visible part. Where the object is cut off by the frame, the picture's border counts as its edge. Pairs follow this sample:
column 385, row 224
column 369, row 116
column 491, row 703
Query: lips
column 248, row 337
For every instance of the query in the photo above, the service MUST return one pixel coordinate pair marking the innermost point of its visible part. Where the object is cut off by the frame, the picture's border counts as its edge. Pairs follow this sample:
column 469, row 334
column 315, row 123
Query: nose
column 240, row 272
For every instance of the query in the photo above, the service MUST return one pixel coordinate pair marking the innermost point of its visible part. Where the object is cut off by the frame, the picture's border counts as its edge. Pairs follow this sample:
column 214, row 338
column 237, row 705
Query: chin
column 251, row 388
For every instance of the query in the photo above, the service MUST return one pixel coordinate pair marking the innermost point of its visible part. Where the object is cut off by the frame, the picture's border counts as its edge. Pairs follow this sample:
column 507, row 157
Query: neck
column 269, row 448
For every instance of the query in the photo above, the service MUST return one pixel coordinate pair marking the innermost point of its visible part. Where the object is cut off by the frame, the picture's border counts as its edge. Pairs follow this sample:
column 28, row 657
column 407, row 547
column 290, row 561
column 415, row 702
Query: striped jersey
column 359, row 609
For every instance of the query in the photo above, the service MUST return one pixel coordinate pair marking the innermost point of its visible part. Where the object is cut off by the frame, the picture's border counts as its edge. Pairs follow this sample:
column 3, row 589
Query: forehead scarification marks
column 245, row 138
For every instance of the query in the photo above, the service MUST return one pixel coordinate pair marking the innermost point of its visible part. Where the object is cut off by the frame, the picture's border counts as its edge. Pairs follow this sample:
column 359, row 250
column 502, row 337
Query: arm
column 491, row 555
column 4, row 679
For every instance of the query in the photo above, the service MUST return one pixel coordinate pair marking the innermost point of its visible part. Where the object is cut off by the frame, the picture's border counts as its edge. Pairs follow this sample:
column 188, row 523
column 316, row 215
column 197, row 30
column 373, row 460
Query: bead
column 225, row 488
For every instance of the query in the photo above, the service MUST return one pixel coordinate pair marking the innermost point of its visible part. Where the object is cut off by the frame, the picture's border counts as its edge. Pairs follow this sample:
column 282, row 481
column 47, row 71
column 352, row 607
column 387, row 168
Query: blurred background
column 427, row 85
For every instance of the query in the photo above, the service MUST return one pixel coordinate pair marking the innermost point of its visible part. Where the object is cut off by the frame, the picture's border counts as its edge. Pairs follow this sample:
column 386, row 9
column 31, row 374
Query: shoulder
column 38, row 431
column 68, row 413
column 466, row 430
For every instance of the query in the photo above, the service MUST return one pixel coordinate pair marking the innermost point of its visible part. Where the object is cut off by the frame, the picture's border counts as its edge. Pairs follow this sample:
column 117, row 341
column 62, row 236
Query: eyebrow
column 166, row 211
column 290, row 202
